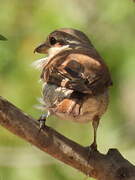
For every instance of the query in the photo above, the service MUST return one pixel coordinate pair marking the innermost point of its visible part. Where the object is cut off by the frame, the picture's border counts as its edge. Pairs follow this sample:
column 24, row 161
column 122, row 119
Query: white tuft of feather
column 40, row 106
column 38, row 64
column 40, row 100
column 55, row 50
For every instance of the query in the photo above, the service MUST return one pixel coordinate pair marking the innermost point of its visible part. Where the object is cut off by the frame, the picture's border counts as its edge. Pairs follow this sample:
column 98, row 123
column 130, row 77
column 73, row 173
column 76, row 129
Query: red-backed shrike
column 75, row 78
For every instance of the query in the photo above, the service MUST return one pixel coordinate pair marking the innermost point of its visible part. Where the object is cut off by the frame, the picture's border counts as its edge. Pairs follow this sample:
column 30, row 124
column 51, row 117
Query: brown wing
column 81, row 71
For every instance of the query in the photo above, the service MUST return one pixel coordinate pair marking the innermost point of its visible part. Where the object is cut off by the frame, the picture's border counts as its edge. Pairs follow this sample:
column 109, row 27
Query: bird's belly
column 80, row 118
column 90, row 108
column 59, row 103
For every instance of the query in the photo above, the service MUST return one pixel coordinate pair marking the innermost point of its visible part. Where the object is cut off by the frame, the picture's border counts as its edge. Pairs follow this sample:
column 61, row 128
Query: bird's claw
column 42, row 121
column 93, row 147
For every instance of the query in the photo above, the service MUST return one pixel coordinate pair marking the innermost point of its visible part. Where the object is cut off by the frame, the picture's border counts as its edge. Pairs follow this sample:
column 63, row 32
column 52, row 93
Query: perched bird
column 75, row 78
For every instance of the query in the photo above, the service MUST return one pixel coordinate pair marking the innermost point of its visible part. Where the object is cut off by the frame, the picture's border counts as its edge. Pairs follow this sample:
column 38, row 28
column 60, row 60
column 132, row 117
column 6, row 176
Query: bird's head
column 62, row 39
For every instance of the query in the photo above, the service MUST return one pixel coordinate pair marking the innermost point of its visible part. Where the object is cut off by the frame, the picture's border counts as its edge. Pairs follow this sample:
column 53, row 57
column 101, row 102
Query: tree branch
column 111, row 166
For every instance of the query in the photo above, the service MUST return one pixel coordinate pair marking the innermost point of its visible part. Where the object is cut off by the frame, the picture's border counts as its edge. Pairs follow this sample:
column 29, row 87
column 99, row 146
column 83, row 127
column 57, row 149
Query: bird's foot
column 93, row 147
column 42, row 121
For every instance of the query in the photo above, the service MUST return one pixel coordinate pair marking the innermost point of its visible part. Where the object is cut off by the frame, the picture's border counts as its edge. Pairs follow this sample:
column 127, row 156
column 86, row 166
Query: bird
column 76, row 80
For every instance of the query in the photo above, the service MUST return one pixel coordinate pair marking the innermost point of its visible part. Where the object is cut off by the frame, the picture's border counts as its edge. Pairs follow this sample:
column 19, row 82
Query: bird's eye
column 53, row 41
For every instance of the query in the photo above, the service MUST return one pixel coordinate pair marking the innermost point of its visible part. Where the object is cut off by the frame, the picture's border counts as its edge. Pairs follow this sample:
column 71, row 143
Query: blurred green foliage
column 111, row 27
column 2, row 38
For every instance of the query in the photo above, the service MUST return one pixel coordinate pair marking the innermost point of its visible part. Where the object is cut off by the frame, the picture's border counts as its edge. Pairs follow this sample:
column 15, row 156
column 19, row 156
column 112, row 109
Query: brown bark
column 111, row 166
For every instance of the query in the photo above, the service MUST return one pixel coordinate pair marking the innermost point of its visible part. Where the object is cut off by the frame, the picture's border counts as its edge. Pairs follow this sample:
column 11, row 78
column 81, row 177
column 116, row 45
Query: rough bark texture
column 111, row 166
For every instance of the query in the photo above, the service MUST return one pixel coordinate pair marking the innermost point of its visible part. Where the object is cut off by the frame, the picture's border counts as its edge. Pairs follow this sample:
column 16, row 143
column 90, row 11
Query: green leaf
column 2, row 38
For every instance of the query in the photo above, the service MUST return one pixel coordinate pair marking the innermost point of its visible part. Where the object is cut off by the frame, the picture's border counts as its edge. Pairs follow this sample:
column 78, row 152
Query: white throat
column 40, row 63
column 55, row 50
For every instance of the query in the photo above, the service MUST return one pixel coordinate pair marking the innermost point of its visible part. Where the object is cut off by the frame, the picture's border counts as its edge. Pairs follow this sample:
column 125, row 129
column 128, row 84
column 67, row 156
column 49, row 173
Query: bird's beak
column 42, row 48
